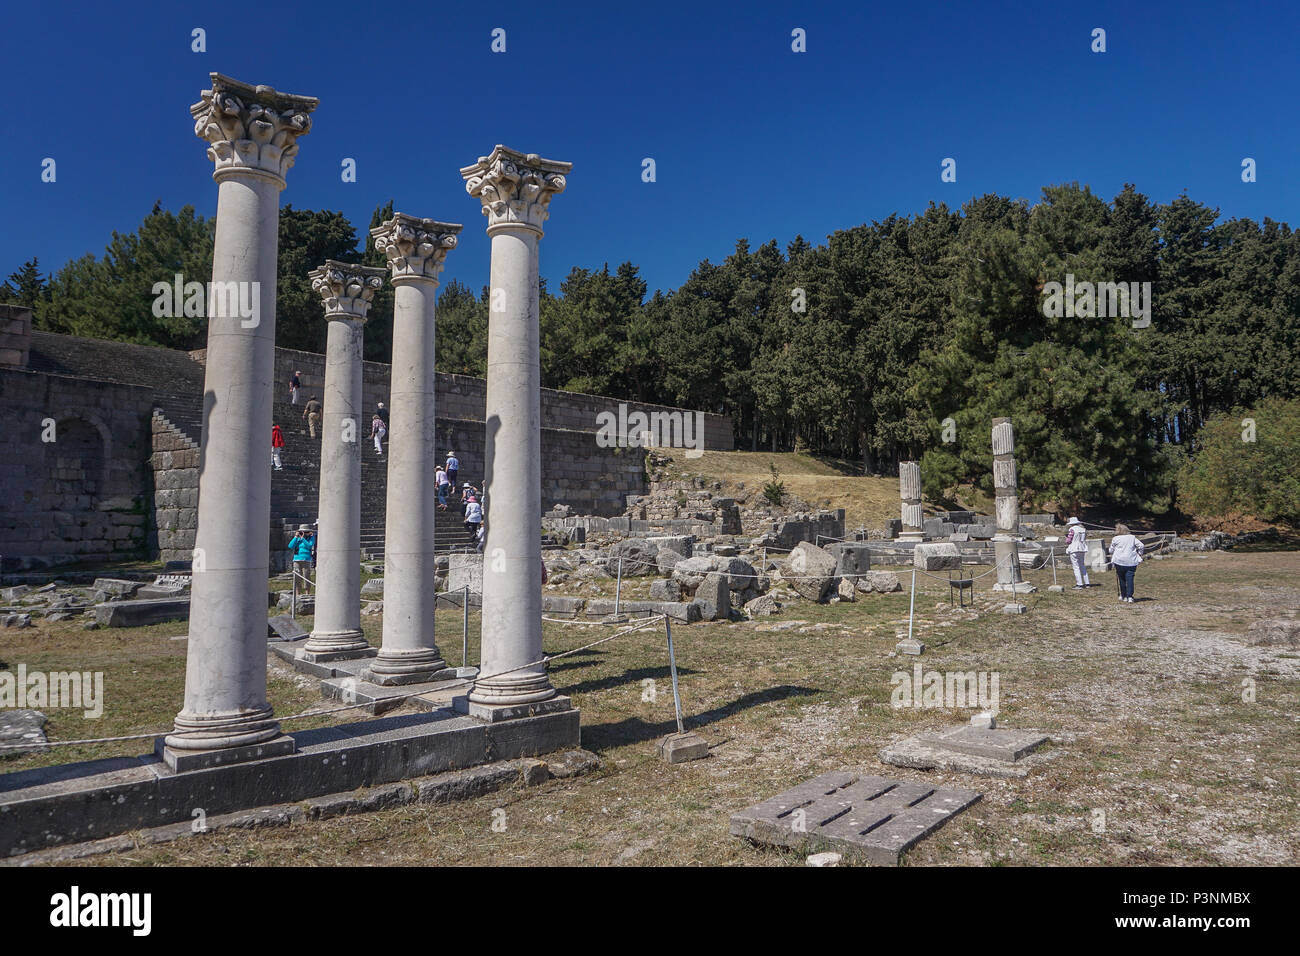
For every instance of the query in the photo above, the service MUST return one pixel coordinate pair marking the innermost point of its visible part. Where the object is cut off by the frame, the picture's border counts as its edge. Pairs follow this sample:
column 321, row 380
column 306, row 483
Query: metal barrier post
column 672, row 666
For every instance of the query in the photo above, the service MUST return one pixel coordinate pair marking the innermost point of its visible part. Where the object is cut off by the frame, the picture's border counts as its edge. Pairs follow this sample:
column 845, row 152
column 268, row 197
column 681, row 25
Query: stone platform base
column 446, row 787
column 379, row 698
column 183, row 761
column 872, row 819
column 493, row 713
column 329, row 657
column 71, row 803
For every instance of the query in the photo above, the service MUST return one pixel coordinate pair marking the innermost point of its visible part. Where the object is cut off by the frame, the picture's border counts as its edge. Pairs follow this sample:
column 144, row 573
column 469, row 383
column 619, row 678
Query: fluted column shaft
column 409, row 653
column 252, row 133
column 347, row 291
column 515, row 190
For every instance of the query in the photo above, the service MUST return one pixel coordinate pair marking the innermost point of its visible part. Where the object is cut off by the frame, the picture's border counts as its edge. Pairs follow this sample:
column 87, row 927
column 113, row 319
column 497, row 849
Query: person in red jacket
column 277, row 442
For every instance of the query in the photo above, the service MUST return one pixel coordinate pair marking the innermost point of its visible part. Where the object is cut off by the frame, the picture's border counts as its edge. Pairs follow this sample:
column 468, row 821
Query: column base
column 325, row 646
column 512, row 689
column 495, row 713
column 183, row 761
column 222, row 731
column 420, row 667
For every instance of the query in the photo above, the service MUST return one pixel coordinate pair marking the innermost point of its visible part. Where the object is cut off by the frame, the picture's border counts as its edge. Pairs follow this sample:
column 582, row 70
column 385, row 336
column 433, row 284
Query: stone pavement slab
column 863, row 816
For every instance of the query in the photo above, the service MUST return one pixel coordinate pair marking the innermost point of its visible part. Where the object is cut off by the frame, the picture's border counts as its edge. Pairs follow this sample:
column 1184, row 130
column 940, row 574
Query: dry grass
column 1144, row 703
column 868, row 502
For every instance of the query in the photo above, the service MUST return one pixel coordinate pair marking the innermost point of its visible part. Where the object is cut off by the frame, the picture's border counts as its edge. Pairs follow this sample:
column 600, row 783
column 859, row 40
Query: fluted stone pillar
column 909, row 490
column 416, row 250
column 252, row 134
column 515, row 190
column 1006, row 509
column 346, row 291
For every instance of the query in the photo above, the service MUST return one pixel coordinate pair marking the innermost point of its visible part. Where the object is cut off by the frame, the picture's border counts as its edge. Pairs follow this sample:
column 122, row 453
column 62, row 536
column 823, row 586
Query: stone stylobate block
column 251, row 128
column 346, row 290
column 416, row 248
column 515, row 188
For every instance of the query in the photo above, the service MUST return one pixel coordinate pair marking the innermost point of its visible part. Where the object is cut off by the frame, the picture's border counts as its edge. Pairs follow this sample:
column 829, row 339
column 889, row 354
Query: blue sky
column 749, row 138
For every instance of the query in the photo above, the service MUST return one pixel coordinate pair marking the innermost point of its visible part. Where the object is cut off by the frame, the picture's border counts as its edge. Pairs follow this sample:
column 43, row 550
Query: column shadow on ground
column 634, row 676
column 634, row 730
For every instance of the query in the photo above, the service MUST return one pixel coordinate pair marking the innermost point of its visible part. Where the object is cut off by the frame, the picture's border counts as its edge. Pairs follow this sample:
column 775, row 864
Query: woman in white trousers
column 1076, row 548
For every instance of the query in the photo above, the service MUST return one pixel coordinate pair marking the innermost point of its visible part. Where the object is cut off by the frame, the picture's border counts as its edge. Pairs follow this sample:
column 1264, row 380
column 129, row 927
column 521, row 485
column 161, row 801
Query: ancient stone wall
column 73, row 469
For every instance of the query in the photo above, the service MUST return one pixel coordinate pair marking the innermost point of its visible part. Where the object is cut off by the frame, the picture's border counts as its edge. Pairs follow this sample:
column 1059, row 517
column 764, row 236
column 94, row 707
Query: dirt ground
column 1173, row 736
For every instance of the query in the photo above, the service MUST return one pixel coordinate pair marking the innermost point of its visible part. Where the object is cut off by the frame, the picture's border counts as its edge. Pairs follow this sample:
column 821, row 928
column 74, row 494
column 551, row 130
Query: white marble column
column 1006, row 510
column 515, row 190
column 252, row 134
column 909, row 490
column 416, row 249
column 346, row 291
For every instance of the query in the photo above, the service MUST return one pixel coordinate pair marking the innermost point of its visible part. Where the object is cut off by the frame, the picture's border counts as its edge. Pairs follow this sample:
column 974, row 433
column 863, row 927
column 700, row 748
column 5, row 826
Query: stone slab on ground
column 285, row 628
column 24, row 729
column 862, row 816
column 995, row 743
column 918, row 754
column 141, row 612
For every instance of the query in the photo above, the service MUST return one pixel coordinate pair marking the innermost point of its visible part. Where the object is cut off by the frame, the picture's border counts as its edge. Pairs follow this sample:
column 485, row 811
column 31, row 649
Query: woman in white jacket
column 1076, row 549
column 1125, row 556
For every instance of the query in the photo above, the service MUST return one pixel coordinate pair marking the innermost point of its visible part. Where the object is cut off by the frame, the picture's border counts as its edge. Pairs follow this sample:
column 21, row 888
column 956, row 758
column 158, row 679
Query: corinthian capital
column 251, row 128
column 416, row 248
column 515, row 188
column 346, row 289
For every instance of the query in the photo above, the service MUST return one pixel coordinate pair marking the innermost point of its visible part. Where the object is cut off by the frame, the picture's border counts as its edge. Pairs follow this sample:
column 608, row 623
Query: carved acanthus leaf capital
column 346, row 290
column 515, row 188
column 416, row 248
column 251, row 128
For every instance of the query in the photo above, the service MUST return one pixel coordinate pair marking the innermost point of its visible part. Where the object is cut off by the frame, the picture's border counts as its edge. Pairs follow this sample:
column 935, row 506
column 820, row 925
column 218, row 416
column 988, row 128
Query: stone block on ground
column 864, row 817
column 138, row 613
column 667, row 559
column 679, row 748
column 714, row 599
column 846, row 590
column 878, row 582
column 692, row 572
column 637, row 556
column 810, row 571
column 665, row 589
column 762, row 606
column 937, row 556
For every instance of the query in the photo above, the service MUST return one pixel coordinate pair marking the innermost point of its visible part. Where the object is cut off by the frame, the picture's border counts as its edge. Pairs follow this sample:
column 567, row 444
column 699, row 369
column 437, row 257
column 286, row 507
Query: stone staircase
column 295, row 488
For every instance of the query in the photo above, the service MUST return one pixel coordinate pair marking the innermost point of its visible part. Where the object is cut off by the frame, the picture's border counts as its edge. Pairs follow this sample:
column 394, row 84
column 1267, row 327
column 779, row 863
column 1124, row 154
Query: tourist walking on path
column 444, row 485
column 453, row 468
column 295, row 383
column 1076, row 549
column 277, row 442
column 1125, row 555
column 377, row 431
column 467, row 494
column 312, row 413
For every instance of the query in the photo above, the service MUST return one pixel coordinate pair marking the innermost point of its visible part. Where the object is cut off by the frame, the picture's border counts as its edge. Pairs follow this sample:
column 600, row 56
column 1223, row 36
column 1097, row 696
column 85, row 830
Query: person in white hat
column 1076, row 548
